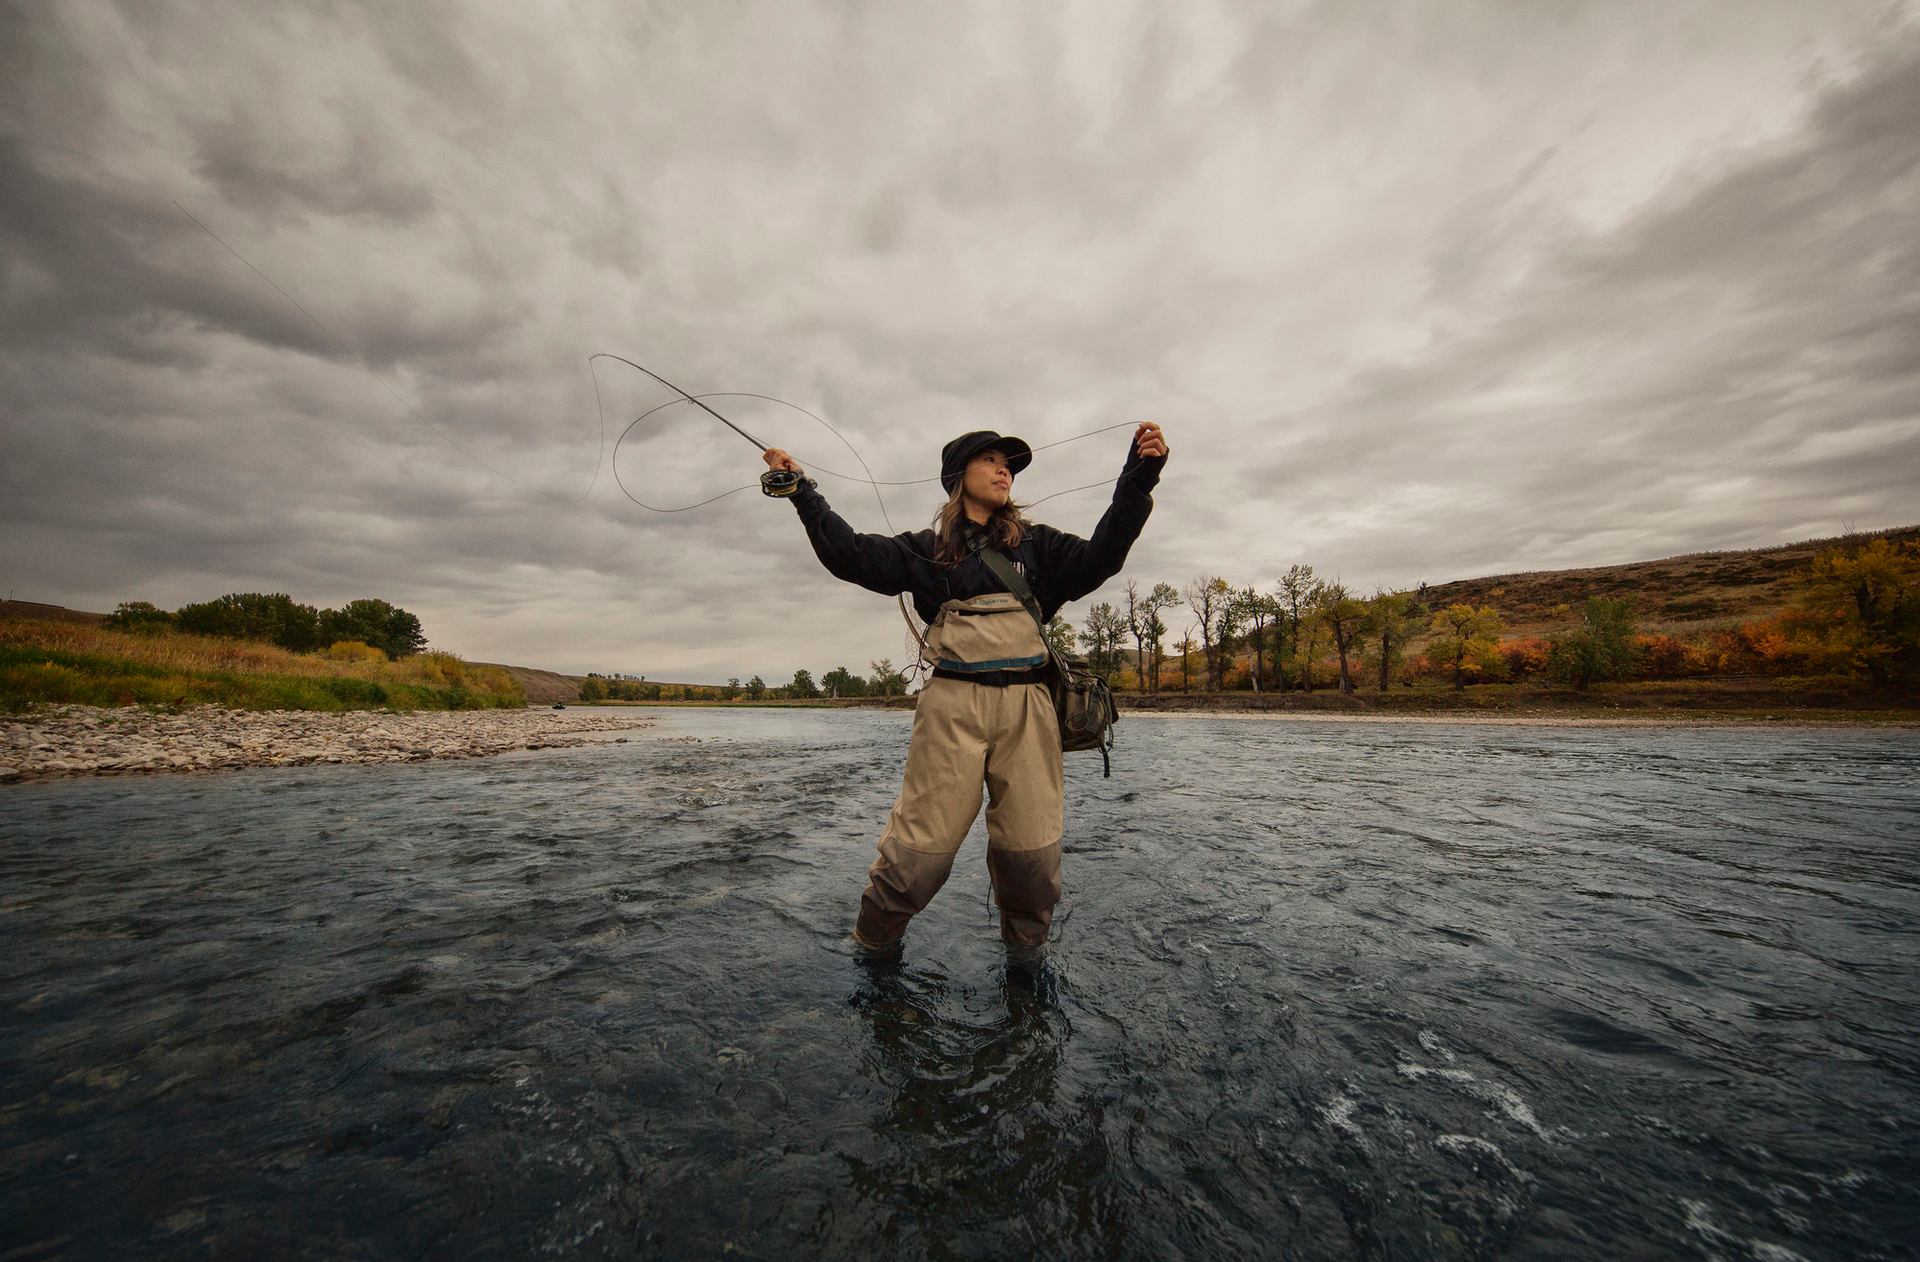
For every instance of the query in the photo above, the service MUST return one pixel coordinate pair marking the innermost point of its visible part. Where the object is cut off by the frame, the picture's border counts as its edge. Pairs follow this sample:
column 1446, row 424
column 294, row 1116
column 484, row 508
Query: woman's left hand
column 1148, row 441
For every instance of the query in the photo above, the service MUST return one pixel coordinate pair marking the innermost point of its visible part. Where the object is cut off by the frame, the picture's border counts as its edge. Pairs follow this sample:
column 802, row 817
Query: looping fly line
column 876, row 483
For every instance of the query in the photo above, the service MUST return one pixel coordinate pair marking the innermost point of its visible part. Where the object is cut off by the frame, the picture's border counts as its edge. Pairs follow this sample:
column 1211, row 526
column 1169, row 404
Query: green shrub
column 1602, row 649
column 139, row 615
column 353, row 651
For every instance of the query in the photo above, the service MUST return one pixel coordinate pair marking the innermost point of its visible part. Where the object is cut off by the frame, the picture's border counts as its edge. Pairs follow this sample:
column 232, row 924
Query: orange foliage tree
column 1861, row 606
column 1463, row 633
column 1524, row 657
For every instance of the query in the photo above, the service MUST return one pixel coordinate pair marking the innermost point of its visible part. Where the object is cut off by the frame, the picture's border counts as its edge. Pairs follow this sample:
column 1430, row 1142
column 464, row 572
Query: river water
column 1318, row 991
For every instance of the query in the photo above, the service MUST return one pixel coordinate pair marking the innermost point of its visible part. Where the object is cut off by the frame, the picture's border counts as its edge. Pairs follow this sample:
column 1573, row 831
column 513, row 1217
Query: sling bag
column 1081, row 698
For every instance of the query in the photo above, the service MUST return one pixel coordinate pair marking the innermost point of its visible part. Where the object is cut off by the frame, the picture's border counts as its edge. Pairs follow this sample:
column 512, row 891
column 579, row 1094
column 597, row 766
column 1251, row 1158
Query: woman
column 986, row 714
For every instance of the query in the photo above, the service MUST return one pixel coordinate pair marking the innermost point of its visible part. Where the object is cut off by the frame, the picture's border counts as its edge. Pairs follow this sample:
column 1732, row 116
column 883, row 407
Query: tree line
column 1855, row 611
column 277, row 618
column 1286, row 634
column 886, row 680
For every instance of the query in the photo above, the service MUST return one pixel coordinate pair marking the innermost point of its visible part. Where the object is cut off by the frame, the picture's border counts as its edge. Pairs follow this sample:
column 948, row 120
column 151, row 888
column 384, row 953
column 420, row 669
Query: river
column 1318, row 991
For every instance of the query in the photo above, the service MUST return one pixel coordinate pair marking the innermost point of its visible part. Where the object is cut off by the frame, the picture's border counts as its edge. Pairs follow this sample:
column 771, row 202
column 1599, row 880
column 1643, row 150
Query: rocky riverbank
column 87, row 740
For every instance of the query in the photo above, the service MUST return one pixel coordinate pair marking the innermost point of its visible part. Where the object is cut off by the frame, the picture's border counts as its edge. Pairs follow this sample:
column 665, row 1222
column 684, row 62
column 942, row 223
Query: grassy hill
column 34, row 611
column 1695, row 591
column 543, row 687
column 72, row 661
column 50, row 653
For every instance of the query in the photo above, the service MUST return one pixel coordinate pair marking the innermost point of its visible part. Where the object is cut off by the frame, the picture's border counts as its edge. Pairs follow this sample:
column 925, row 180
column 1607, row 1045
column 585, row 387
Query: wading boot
column 1030, row 973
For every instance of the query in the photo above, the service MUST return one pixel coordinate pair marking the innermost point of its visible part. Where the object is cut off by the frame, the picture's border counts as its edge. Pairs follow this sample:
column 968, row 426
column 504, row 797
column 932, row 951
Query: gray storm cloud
column 1419, row 291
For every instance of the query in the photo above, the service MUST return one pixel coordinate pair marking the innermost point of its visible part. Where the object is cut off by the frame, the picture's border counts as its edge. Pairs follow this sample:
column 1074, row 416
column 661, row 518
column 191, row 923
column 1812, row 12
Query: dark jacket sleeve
column 878, row 563
column 1071, row 566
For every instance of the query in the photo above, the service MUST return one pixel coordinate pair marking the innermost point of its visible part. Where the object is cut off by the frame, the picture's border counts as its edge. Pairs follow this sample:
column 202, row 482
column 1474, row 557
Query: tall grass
column 69, row 663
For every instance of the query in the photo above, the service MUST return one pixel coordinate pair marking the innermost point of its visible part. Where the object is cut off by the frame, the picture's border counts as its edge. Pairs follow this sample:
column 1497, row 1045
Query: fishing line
column 918, row 661
column 869, row 479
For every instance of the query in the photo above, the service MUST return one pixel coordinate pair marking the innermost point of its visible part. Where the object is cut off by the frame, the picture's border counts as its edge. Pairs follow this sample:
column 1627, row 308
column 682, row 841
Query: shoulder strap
column 1003, row 570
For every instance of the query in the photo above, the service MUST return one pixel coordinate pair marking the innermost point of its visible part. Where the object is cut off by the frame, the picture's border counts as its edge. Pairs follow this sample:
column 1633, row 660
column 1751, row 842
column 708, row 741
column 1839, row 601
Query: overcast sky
column 1418, row 291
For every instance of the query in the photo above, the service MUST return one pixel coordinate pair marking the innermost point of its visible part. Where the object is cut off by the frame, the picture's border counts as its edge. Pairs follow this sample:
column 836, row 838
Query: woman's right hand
column 777, row 459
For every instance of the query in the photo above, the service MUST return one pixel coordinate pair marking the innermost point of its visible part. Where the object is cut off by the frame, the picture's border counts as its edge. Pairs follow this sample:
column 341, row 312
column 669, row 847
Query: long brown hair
column 1005, row 528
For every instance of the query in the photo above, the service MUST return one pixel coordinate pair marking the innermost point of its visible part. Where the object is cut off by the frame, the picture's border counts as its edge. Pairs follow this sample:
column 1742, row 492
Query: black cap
column 955, row 456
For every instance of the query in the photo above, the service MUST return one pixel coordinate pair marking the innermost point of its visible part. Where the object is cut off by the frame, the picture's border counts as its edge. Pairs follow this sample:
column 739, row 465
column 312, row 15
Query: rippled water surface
column 1318, row 991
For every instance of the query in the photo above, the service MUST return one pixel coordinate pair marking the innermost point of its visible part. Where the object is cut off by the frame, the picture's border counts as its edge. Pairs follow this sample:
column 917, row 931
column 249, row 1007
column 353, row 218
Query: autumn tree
column 886, row 681
column 1136, row 624
column 1461, row 632
column 841, row 682
column 1060, row 637
column 1207, row 596
column 1163, row 597
column 1309, row 636
column 1227, row 624
column 1344, row 616
column 1257, row 612
column 1864, row 605
column 374, row 622
column 1105, row 633
column 1393, row 618
column 138, row 615
column 1600, row 648
column 278, row 619
column 1293, row 596
column 1185, row 647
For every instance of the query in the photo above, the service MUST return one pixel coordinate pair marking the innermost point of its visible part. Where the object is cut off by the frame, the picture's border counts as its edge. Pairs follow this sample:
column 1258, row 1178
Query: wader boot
column 1029, row 973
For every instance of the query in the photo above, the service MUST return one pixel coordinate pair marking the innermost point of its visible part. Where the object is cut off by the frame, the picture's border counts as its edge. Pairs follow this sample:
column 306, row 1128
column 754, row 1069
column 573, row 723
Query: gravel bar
column 94, row 741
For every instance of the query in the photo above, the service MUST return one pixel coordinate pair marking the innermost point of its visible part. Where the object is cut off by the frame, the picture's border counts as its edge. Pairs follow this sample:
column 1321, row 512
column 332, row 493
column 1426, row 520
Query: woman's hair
column 1005, row 529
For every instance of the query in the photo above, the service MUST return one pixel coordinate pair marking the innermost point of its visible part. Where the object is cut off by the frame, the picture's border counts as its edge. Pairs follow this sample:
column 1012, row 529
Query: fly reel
column 779, row 483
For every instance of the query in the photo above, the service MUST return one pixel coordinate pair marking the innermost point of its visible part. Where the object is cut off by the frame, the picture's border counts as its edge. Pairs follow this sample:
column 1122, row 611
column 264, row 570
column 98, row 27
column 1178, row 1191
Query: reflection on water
column 1316, row 991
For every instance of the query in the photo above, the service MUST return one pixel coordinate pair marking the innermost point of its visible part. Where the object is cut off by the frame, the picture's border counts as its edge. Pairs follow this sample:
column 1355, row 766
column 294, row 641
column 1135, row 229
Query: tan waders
column 982, row 719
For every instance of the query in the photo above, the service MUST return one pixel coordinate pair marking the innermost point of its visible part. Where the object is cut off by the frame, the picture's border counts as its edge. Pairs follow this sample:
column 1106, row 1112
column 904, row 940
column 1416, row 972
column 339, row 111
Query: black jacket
column 1058, row 566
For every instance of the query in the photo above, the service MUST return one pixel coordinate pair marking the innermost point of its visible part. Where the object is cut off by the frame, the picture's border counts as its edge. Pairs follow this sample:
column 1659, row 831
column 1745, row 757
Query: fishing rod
column 778, row 483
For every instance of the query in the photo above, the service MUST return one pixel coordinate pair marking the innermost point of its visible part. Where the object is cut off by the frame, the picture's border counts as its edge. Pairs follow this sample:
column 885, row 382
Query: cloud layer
column 1418, row 292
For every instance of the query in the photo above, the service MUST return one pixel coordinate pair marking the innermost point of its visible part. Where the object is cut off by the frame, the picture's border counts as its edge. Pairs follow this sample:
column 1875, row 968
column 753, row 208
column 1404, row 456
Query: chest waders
column 986, row 717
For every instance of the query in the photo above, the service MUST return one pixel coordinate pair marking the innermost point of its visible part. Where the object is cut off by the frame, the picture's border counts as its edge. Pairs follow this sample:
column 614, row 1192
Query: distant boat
column 559, row 705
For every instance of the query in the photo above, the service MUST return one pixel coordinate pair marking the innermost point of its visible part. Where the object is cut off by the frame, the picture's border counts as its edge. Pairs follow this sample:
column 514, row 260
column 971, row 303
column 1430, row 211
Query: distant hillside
column 28, row 610
column 543, row 687
column 1696, row 590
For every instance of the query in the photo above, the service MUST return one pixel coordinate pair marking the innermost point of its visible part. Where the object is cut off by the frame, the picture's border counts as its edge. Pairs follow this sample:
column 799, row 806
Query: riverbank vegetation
column 278, row 619
column 1833, row 624
column 48, row 662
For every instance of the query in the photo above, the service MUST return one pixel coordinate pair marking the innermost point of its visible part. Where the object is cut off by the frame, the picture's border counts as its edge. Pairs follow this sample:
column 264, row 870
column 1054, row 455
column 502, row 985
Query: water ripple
column 1317, row 992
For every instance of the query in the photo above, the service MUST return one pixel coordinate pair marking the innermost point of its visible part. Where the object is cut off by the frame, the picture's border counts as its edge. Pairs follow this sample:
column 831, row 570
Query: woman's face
column 988, row 480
